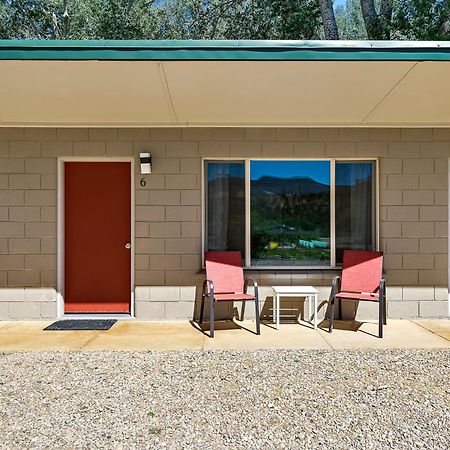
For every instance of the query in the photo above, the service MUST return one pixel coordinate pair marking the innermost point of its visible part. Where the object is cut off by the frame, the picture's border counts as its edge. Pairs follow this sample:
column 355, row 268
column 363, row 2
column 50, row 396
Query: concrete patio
column 138, row 335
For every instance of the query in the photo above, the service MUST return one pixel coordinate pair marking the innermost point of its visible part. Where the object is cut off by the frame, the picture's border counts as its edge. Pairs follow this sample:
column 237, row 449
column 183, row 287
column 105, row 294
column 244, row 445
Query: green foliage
column 159, row 19
column 238, row 19
column 411, row 20
column 25, row 19
column 295, row 19
column 211, row 19
column 350, row 21
column 420, row 20
column 85, row 19
column 279, row 222
column 119, row 19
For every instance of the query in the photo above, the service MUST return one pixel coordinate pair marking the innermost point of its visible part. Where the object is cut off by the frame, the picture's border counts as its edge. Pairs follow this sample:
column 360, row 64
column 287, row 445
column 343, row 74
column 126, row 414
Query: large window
column 290, row 213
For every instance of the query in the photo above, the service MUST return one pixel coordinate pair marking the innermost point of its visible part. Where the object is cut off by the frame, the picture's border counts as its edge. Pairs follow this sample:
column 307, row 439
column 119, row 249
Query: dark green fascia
column 224, row 50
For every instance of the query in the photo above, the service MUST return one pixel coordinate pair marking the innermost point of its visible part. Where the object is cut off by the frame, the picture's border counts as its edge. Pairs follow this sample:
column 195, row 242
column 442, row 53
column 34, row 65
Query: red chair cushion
column 224, row 269
column 356, row 296
column 231, row 297
column 361, row 271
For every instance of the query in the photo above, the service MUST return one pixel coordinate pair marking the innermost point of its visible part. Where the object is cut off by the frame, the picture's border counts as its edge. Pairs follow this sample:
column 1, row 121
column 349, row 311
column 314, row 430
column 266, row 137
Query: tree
column 224, row 19
column 76, row 19
column 421, row 20
column 159, row 19
column 328, row 19
column 397, row 19
column 242, row 19
column 296, row 19
column 377, row 23
column 350, row 21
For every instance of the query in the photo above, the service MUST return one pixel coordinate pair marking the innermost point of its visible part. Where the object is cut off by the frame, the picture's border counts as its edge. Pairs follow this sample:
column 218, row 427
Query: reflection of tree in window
column 354, row 207
column 226, row 206
column 290, row 210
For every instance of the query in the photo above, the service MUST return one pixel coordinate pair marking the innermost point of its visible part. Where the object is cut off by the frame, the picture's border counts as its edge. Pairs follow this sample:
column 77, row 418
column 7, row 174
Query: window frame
column 332, row 161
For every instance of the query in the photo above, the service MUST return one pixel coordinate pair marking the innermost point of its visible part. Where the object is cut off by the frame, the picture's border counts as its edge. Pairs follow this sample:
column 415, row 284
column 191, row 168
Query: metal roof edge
column 223, row 50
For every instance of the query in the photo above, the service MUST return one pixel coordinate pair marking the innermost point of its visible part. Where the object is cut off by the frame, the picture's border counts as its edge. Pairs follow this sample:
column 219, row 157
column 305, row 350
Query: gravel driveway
column 210, row 400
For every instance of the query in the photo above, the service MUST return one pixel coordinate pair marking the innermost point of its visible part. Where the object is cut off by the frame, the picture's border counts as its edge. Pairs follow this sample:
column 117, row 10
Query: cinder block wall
column 413, row 212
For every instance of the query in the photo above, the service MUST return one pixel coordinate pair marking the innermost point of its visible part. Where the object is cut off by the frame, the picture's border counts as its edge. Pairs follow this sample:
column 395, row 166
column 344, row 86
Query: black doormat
column 81, row 324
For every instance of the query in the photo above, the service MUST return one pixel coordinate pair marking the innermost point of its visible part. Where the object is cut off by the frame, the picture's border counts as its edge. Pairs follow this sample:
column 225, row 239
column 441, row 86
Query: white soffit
column 82, row 93
column 224, row 93
column 281, row 92
column 421, row 99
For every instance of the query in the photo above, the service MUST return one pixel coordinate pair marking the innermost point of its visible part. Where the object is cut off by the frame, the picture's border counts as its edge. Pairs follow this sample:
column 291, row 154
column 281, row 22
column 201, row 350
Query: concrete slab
column 4, row 325
column 134, row 327
column 30, row 327
column 397, row 334
column 289, row 336
column 434, row 325
column 142, row 341
column 46, row 341
column 138, row 335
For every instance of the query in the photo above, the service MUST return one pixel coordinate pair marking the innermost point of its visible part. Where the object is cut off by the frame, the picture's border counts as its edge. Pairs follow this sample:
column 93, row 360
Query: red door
column 97, row 235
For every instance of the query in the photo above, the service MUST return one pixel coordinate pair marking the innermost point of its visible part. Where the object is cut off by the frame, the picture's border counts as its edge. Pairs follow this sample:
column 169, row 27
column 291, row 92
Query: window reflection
column 290, row 213
column 225, row 192
column 354, row 207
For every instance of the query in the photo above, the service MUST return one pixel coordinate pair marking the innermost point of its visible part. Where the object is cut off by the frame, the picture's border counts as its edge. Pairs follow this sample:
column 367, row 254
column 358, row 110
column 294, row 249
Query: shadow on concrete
column 347, row 325
column 219, row 325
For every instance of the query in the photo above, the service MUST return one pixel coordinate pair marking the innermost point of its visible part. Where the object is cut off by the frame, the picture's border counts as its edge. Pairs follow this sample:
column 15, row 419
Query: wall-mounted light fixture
column 146, row 163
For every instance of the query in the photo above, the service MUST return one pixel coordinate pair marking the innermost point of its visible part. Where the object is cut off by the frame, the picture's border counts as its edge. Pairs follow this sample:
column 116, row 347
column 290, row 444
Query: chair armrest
column 253, row 282
column 209, row 291
column 383, row 288
column 335, row 286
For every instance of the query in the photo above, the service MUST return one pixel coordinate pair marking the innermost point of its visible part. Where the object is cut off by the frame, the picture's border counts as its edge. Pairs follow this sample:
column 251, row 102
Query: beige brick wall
column 413, row 212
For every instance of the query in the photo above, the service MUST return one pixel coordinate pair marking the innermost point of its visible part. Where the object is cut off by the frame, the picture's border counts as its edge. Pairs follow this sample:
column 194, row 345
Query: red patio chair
column 225, row 283
column 361, row 281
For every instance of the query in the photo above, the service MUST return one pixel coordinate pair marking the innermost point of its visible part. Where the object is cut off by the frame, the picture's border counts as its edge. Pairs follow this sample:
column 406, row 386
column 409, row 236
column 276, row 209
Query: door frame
column 448, row 240
column 60, row 232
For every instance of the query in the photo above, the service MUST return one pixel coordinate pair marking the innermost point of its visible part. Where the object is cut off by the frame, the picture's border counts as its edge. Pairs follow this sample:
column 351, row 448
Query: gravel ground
column 241, row 400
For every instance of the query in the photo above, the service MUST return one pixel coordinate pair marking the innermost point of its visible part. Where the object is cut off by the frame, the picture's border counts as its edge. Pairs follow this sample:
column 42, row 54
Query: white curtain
column 361, row 208
column 218, row 204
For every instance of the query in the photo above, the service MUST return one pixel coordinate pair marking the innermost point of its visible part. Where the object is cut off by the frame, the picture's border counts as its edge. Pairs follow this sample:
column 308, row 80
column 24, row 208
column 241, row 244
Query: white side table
column 294, row 291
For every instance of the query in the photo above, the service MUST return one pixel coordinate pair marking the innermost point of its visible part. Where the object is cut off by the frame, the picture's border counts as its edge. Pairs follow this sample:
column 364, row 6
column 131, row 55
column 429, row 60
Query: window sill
column 249, row 270
column 292, row 269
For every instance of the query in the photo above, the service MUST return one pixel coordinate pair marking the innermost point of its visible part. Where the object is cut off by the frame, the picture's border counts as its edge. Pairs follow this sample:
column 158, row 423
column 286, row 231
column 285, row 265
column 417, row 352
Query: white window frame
column 332, row 161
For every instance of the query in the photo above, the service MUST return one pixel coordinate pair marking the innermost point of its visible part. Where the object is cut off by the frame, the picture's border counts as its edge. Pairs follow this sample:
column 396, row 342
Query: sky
column 316, row 170
column 347, row 173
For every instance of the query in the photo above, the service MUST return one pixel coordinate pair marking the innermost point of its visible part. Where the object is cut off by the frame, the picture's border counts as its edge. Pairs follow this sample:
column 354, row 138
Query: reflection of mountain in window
column 290, row 213
column 290, row 206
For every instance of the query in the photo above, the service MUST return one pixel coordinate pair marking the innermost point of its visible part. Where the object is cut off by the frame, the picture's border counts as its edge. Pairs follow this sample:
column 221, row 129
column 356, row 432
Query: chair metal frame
column 381, row 300
column 208, row 292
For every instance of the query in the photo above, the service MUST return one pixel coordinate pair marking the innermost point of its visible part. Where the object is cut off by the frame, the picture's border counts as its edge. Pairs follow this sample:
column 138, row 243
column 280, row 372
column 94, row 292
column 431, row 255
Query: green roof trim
column 225, row 50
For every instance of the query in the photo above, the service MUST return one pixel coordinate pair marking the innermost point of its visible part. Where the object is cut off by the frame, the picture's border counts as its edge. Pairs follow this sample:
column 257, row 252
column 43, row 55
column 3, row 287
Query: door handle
column 128, row 246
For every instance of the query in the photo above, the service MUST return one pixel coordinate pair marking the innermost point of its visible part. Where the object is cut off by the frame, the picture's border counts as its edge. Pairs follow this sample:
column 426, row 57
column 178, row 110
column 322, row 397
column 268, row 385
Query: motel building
column 122, row 162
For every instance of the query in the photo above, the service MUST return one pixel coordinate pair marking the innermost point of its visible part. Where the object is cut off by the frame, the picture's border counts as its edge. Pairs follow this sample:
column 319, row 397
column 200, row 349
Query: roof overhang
column 225, row 83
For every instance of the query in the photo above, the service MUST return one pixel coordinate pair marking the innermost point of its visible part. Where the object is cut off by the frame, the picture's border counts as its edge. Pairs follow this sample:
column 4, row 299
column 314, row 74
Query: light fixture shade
column 146, row 163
